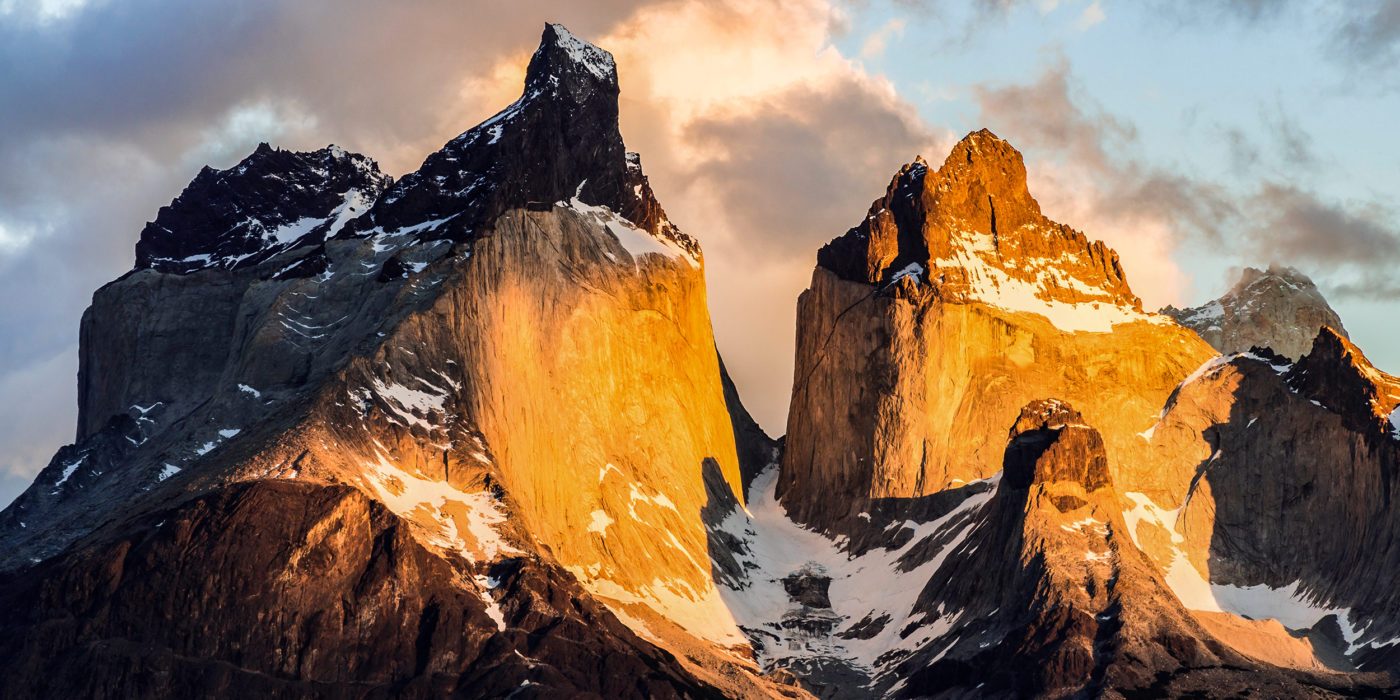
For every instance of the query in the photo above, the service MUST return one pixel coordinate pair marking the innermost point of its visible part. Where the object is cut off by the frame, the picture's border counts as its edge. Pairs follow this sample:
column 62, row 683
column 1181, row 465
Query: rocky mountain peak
column 1336, row 375
column 973, row 232
column 1050, row 442
column 270, row 201
column 982, row 184
column 558, row 144
column 1279, row 308
column 577, row 68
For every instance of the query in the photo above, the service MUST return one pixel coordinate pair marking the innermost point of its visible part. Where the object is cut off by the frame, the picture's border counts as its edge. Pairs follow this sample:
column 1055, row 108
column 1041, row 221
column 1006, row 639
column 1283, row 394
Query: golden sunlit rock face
column 1171, row 521
column 954, row 304
column 467, row 434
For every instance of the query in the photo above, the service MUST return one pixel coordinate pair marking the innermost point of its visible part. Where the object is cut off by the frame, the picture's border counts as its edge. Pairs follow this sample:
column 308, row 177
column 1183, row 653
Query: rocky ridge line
column 1279, row 308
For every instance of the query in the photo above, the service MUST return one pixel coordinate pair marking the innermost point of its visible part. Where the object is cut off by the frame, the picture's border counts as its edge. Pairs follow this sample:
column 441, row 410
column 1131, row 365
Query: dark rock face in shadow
column 756, row 450
column 286, row 589
column 1299, row 489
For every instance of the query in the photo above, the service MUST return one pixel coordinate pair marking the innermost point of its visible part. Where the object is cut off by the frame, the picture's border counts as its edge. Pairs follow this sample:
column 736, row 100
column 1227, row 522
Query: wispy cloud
column 876, row 43
column 1092, row 15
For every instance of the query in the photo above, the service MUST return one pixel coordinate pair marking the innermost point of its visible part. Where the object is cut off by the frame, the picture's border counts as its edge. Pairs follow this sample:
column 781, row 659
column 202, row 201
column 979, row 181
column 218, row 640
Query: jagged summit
column 270, row 201
column 983, row 183
column 558, row 143
column 1339, row 378
column 973, row 231
column 1279, row 308
column 564, row 57
column 1051, row 442
column 493, row 392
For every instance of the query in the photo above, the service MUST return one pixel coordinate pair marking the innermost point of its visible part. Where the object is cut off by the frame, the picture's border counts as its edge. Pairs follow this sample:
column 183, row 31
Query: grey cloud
column 1367, row 285
column 1244, row 155
column 1200, row 208
column 1297, row 225
column 791, row 174
column 157, row 71
column 1295, row 146
column 1045, row 113
column 1245, row 12
column 1371, row 34
column 1045, row 116
column 805, row 166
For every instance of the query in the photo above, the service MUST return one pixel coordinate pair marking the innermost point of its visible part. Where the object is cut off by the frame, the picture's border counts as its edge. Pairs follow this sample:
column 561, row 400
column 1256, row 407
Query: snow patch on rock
column 777, row 548
column 637, row 242
column 597, row 61
column 989, row 283
column 447, row 516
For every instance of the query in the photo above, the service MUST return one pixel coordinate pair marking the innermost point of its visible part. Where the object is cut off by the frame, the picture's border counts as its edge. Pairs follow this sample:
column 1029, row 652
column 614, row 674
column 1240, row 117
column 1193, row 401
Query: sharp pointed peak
column 982, row 147
column 562, row 54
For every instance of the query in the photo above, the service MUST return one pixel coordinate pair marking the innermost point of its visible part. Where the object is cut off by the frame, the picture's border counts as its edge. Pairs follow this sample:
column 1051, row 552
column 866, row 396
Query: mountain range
column 466, row 433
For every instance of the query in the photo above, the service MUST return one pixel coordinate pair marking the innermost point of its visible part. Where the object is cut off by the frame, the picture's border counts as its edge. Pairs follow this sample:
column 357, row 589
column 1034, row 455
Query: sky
column 1194, row 137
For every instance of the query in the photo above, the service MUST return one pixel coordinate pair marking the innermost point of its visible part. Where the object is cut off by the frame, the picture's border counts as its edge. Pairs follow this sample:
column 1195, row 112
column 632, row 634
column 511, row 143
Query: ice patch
column 597, row 61
column 990, row 284
column 600, row 522
column 290, row 233
column 169, row 471
column 445, row 513
column 493, row 609
column 405, row 403
column 914, row 270
column 636, row 495
column 635, row 241
column 68, row 472
column 603, row 473
column 778, row 547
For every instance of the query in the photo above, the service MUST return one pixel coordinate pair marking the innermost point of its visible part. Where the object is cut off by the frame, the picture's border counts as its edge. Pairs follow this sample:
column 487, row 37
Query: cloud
column 1295, row 146
column 878, row 41
column 1078, row 173
column 1085, row 172
column 1211, row 12
column 1092, row 15
column 1295, row 224
column 1371, row 34
column 27, row 425
column 1358, row 33
column 1045, row 113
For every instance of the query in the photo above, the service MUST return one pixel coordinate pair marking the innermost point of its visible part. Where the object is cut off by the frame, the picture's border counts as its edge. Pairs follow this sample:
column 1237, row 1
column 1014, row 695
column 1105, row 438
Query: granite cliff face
column 499, row 366
column 953, row 304
column 467, row 434
column 1093, row 552
column 1279, row 499
column 1278, row 308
